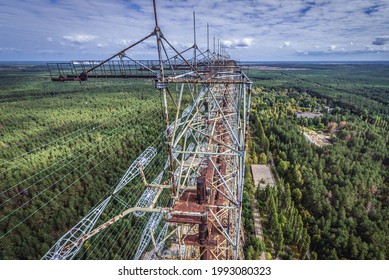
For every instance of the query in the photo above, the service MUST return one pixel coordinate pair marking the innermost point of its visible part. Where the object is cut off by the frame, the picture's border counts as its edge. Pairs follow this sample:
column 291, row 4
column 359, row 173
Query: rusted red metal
column 201, row 190
column 193, row 240
column 185, row 219
column 188, row 203
column 208, row 194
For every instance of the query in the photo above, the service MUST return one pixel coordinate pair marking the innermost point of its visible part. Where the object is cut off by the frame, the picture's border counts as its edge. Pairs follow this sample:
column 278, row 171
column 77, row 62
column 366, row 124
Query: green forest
column 331, row 201
column 63, row 146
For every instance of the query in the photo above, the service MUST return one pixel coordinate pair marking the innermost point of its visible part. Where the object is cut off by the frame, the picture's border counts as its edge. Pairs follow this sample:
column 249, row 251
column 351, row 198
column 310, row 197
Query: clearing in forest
column 318, row 138
column 262, row 175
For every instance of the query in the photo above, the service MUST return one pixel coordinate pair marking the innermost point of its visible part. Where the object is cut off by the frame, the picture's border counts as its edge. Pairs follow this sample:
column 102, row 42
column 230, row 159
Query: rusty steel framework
column 201, row 181
column 217, row 126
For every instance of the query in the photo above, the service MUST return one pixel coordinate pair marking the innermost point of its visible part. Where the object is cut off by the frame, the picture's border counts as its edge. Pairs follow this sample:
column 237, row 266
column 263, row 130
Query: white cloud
column 124, row 42
column 285, row 45
column 79, row 38
column 49, row 52
column 238, row 43
column 8, row 50
column 50, row 39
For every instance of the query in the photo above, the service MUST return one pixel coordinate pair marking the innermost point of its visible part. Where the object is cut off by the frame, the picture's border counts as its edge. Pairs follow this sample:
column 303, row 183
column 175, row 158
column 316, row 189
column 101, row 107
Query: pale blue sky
column 251, row 30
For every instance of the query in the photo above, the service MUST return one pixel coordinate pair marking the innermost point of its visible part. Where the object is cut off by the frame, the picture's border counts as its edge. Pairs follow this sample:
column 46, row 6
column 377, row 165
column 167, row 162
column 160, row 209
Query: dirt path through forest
column 258, row 226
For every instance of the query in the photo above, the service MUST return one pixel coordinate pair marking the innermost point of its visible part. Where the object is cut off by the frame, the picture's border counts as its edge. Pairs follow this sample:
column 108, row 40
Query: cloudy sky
column 261, row 30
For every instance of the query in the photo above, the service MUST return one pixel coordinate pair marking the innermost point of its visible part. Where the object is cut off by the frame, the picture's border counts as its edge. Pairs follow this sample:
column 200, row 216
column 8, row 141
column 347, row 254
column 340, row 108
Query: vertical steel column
column 162, row 86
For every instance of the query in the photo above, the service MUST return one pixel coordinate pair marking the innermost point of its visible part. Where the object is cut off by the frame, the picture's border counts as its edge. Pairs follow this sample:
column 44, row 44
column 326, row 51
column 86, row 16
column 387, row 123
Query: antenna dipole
column 159, row 43
column 194, row 28
column 218, row 47
column 208, row 41
column 161, row 85
column 155, row 13
column 194, row 40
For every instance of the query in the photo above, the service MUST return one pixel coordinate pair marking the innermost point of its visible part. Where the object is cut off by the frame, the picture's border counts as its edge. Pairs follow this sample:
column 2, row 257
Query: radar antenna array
column 205, row 148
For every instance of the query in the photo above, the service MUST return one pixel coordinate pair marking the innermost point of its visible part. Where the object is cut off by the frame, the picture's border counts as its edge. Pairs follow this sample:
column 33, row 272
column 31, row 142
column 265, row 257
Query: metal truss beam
column 74, row 235
column 143, row 160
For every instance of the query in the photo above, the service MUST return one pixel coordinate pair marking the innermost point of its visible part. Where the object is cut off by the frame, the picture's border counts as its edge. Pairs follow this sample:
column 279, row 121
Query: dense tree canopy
column 63, row 146
column 336, row 194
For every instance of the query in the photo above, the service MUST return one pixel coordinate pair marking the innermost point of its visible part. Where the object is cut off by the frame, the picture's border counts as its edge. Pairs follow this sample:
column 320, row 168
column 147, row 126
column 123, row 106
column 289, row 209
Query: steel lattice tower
column 201, row 180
